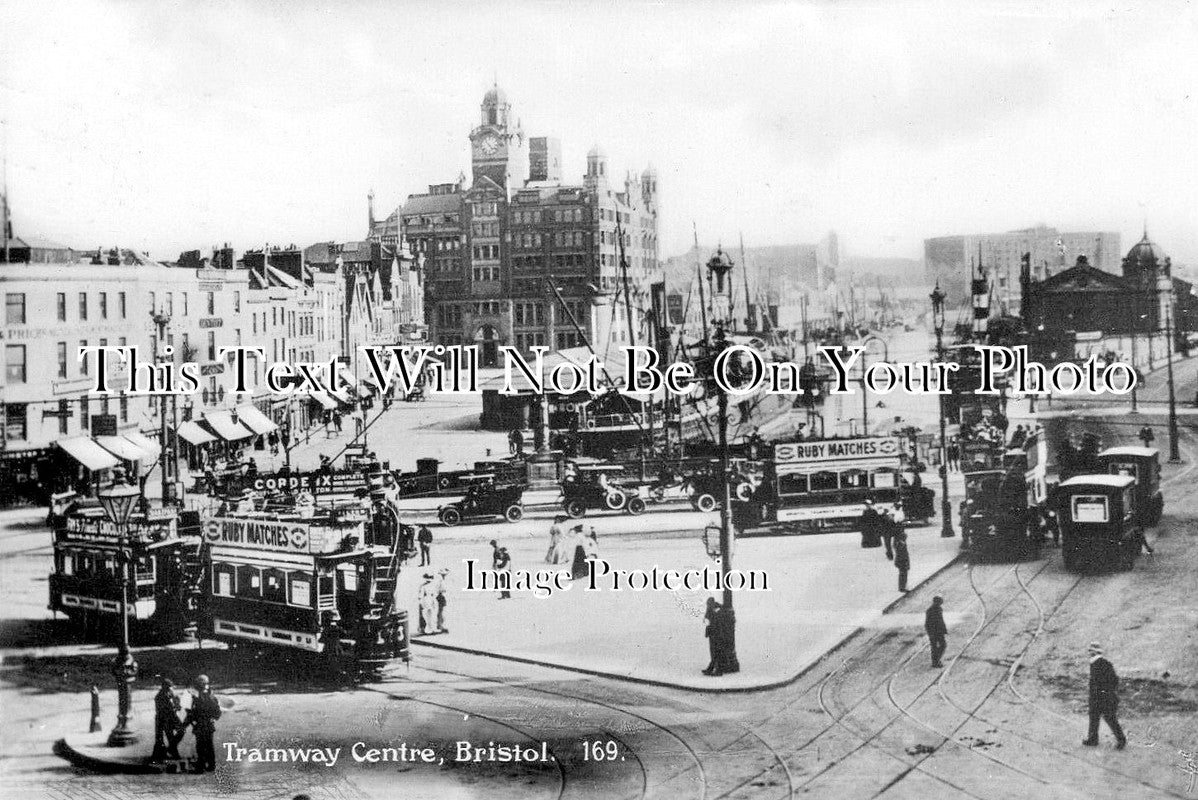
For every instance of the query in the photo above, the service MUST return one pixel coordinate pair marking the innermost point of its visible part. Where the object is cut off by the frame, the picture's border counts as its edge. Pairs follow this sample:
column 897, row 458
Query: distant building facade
column 950, row 260
column 491, row 248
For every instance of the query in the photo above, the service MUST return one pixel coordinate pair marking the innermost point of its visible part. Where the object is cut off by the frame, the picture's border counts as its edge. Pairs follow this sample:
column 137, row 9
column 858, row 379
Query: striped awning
column 223, row 426
column 326, row 402
column 91, row 455
column 123, row 449
column 192, row 433
column 147, row 444
column 255, row 420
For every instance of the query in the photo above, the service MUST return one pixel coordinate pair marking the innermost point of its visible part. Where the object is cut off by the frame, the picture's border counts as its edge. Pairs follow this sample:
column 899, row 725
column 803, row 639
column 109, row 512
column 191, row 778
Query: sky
column 172, row 126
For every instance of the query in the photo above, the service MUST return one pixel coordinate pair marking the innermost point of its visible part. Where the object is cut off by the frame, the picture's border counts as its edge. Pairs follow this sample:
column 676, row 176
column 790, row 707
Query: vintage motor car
column 484, row 500
column 596, row 486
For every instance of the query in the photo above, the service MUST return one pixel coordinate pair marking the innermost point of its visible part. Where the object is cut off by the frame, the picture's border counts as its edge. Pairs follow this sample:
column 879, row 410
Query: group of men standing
column 201, row 716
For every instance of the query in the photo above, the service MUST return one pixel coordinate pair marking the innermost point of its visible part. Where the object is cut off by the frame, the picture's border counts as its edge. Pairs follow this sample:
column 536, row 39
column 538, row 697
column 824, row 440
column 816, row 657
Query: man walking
column 933, row 624
column 1104, row 698
column 902, row 559
column 425, row 538
column 167, row 730
column 503, row 563
column 205, row 711
column 442, row 599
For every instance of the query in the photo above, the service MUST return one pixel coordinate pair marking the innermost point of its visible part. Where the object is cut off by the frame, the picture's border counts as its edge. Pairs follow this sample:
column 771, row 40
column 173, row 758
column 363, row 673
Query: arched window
column 299, row 590
column 274, row 585
column 249, row 581
column 854, row 479
column 223, row 582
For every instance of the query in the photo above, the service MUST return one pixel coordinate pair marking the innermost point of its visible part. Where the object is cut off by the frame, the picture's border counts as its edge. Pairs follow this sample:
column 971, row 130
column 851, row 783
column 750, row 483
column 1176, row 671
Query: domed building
column 1072, row 313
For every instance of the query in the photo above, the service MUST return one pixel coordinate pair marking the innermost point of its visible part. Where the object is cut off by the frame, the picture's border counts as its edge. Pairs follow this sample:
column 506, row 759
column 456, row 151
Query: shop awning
column 123, row 449
column 147, row 444
column 326, row 402
column 347, row 376
column 340, row 396
column 192, row 433
column 222, row 423
column 255, row 420
column 88, row 453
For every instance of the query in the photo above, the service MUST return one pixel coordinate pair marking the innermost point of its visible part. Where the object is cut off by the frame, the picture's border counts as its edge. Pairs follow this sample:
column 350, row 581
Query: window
column 14, row 363
column 169, row 308
column 82, row 358
column 15, row 423
column 62, row 359
column 185, row 352
column 222, row 580
column 249, row 581
column 792, row 483
column 349, row 577
column 825, row 481
column 103, row 305
column 528, row 313
column 1090, row 508
column 124, row 404
column 14, row 309
column 211, row 345
column 300, row 590
column 62, row 306
column 854, row 479
column 153, row 306
column 64, row 413
column 526, row 341
column 211, row 303
column 485, row 272
column 237, row 302
column 121, row 302
column 84, row 413
column 83, row 305
column 184, row 303
column 274, row 585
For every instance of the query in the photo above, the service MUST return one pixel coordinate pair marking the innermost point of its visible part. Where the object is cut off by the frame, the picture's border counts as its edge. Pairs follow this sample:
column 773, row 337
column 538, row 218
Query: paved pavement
column 822, row 589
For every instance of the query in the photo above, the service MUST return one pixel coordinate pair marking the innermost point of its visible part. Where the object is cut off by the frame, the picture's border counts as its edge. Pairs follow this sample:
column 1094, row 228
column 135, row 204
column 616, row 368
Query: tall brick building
column 491, row 247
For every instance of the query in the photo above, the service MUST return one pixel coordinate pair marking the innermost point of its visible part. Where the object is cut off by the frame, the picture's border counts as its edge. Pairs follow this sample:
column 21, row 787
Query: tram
column 1005, row 489
column 318, row 580
column 162, row 546
column 822, row 485
column 1100, row 526
column 1143, row 464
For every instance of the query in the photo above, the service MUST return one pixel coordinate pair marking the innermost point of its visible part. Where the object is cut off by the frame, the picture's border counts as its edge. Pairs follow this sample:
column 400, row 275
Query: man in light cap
column 1104, row 698
column 934, row 625
column 204, row 712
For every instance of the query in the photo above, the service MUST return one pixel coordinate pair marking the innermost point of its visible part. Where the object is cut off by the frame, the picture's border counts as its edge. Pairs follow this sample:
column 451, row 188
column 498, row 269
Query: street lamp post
column 118, row 501
column 1174, row 452
column 946, row 529
column 721, row 300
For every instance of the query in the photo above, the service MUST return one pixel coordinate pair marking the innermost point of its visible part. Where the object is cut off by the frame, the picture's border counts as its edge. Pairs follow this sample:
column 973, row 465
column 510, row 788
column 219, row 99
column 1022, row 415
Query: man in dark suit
column 902, row 559
column 1104, row 698
column 425, row 538
column 205, row 711
column 933, row 624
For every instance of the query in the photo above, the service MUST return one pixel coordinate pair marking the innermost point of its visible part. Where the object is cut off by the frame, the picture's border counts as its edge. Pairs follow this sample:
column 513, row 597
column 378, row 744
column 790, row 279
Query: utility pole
column 1174, row 451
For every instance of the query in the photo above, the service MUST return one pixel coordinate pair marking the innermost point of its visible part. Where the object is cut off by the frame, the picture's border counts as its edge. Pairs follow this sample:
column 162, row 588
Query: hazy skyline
column 173, row 127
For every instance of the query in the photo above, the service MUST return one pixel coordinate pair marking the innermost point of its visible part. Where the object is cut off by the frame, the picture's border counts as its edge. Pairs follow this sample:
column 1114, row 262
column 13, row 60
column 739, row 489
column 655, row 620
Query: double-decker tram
column 820, row 485
column 1006, row 488
column 320, row 580
column 162, row 546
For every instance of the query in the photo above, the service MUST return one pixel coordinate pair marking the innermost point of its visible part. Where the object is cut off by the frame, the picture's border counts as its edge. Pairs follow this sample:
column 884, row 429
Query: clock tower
column 497, row 146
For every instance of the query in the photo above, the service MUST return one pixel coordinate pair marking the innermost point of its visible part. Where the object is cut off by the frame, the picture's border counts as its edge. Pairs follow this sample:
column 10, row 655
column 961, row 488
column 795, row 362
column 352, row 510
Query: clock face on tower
column 489, row 145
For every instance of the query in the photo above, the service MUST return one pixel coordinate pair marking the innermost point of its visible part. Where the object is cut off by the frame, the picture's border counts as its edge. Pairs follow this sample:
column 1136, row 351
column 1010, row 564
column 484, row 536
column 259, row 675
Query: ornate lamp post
column 1174, row 451
column 718, row 269
column 118, row 501
column 946, row 529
